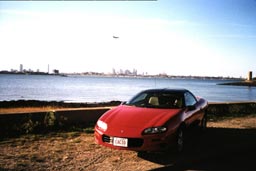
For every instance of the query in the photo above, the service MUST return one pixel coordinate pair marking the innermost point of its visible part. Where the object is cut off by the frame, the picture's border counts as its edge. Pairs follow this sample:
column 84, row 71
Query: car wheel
column 142, row 154
column 180, row 140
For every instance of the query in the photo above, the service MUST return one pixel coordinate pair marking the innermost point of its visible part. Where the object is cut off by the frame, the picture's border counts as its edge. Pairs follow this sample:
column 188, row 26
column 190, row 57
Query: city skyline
column 115, row 72
column 190, row 37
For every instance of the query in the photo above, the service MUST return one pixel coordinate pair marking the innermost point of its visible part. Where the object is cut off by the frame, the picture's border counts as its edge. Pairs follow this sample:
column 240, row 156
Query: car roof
column 168, row 90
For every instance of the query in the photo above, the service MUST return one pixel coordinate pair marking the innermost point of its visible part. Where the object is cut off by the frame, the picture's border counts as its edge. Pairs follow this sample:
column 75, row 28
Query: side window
column 190, row 100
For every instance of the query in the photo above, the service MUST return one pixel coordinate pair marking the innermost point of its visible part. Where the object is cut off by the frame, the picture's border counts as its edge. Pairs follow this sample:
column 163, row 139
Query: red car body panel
column 129, row 122
column 136, row 118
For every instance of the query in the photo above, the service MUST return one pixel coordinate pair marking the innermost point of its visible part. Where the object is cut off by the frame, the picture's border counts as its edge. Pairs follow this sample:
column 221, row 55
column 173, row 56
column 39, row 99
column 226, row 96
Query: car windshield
column 162, row 100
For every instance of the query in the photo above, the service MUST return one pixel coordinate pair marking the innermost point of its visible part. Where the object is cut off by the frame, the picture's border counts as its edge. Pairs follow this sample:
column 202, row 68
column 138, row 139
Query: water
column 102, row 89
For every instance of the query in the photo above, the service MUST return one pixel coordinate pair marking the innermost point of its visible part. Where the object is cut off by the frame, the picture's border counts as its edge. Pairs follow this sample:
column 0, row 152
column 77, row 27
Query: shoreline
column 56, row 104
column 95, row 74
column 77, row 104
column 33, row 106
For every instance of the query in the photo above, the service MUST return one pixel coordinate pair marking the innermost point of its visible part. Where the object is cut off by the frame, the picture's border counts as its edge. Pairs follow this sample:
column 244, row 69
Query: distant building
column 135, row 72
column 113, row 71
column 121, row 71
column 21, row 67
column 55, row 71
column 249, row 76
column 127, row 72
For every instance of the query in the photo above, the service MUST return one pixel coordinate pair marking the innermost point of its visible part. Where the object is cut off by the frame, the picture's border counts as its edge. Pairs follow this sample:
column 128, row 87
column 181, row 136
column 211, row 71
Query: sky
column 175, row 37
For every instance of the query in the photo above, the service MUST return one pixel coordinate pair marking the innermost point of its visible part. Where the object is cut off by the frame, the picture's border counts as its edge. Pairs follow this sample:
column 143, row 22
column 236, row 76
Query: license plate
column 121, row 142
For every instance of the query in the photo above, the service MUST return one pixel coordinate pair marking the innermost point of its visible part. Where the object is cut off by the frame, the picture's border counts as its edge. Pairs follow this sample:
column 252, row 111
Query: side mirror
column 191, row 107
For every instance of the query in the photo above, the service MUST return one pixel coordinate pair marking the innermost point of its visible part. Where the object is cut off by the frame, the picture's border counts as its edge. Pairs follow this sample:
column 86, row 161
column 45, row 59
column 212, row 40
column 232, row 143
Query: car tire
column 180, row 140
column 203, row 124
column 142, row 154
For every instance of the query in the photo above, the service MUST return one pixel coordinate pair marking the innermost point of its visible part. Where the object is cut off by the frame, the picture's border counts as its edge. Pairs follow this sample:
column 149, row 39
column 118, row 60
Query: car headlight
column 154, row 130
column 102, row 125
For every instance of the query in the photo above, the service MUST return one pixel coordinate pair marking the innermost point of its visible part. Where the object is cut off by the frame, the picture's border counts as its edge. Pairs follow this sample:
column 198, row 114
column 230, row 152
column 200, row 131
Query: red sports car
column 153, row 120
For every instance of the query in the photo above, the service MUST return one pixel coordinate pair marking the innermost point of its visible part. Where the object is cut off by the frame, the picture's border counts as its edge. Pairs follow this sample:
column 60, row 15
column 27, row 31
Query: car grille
column 106, row 139
column 132, row 142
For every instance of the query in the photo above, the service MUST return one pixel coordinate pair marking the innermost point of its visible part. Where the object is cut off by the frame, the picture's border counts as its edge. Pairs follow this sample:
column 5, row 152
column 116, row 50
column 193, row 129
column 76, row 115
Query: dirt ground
column 228, row 144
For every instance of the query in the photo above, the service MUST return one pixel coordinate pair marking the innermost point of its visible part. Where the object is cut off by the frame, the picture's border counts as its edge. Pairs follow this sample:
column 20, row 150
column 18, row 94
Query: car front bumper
column 153, row 142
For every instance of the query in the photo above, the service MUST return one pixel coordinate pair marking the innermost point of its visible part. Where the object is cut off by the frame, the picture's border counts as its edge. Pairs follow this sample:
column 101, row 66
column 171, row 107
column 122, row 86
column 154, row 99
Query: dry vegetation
column 228, row 142
column 28, row 109
column 245, row 122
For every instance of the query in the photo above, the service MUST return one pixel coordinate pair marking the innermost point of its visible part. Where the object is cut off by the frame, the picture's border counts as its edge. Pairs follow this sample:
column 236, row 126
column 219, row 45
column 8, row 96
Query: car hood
column 136, row 118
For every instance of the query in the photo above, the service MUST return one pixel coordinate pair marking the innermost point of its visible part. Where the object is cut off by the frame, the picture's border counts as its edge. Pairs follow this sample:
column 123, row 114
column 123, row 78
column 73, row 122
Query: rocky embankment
column 56, row 104
column 241, row 83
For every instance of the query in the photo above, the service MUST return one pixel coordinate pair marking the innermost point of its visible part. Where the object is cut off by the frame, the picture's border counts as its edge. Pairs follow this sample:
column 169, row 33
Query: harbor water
column 103, row 89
